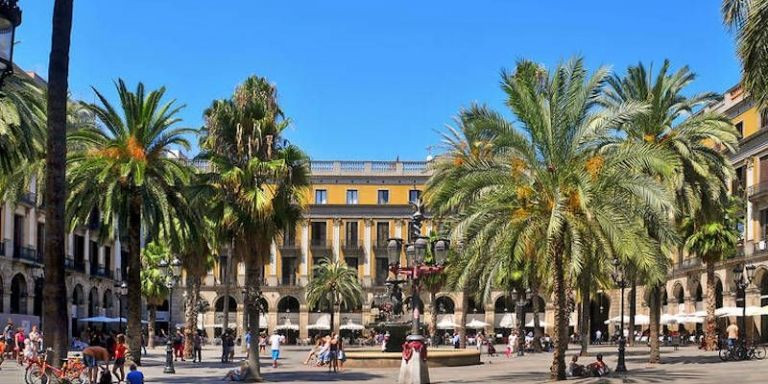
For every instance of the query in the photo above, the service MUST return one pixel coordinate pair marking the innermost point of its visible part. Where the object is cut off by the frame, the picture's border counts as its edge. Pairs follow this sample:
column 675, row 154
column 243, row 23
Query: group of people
column 597, row 368
column 328, row 350
column 16, row 344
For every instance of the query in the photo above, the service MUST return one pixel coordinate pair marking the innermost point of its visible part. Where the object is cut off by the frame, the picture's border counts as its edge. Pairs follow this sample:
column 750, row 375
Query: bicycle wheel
column 740, row 353
column 760, row 352
column 724, row 354
column 34, row 375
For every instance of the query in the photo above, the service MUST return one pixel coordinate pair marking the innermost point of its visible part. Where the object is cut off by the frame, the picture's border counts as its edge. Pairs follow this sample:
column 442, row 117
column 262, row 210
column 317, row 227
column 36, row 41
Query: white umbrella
column 352, row 326
column 667, row 319
column 642, row 320
column 477, row 324
column 724, row 311
column 322, row 323
column 690, row 319
column 508, row 321
column 288, row 325
column 751, row 311
column 616, row 320
column 447, row 323
column 542, row 323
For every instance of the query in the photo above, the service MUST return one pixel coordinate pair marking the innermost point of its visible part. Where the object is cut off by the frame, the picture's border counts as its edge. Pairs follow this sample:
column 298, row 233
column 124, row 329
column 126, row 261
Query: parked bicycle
column 38, row 371
column 741, row 351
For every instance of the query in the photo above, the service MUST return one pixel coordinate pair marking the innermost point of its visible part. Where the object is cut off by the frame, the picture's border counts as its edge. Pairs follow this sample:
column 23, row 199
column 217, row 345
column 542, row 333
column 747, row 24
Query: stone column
column 304, row 264
column 336, row 238
column 752, row 229
column 367, row 246
column 272, row 320
column 303, row 321
column 32, row 225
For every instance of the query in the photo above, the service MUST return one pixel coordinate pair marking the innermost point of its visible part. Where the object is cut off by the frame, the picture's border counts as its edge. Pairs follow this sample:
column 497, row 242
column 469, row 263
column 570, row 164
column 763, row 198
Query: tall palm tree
column 255, row 182
column 126, row 171
column 55, row 305
column 22, row 123
column 749, row 18
column 334, row 283
column 558, row 178
column 693, row 138
column 713, row 238
column 153, row 284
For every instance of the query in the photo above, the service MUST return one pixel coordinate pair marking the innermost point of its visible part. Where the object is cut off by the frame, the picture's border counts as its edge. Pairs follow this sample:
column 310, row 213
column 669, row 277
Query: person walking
column 598, row 337
column 19, row 338
column 733, row 334
column 178, row 345
column 274, row 341
column 8, row 332
column 225, row 347
column 119, row 358
column 511, row 344
column 93, row 357
column 197, row 348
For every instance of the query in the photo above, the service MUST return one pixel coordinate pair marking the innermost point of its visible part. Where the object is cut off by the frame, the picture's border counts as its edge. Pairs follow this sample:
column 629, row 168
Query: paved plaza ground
column 688, row 365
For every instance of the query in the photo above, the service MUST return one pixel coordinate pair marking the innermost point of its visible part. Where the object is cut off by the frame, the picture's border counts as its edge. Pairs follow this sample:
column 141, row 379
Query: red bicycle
column 72, row 371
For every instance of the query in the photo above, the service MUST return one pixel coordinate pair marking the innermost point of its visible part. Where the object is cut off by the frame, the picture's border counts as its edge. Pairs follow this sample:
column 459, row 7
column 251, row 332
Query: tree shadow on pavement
column 647, row 376
column 713, row 359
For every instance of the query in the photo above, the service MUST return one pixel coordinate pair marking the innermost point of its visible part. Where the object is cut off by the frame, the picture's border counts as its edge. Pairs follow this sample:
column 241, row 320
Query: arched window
column 93, row 302
column 220, row 304
column 444, row 305
column 288, row 304
column 19, row 294
column 474, row 307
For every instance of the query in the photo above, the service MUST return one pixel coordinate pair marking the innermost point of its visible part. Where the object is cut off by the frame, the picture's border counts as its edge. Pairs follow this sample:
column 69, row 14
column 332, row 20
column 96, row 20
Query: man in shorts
column 92, row 356
column 274, row 342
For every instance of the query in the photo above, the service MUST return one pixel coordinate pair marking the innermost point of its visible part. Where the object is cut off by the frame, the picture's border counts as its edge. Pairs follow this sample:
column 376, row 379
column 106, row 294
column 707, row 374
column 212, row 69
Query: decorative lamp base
column 414, row 368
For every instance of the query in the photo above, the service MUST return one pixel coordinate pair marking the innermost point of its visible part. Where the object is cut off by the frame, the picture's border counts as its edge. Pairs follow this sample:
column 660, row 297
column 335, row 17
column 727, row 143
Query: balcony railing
column 72, row 264
column 101, row 271
column 688, row 263
column 320, row 243
column 757, row 189
column 352, row 244
column 26, row 253
column 369, row 168
column 29, row 198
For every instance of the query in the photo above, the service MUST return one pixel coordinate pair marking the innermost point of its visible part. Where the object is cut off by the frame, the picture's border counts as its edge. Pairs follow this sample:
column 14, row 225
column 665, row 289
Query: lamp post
column 520, row 299
column 620, row 279
column 122, row 290
column 413, row 368
column 10, row 18
column 742, row 281
column 172, row 273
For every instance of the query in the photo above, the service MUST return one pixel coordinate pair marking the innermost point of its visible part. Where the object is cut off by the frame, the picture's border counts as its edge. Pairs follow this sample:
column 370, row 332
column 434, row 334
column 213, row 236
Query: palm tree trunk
column 632, row 310
column 333, row 310
column 151, row 321
column 538, row 332
column 190, row 314
column 557, row 371
column 709, row 331
column 655, row 322
column 584, row 320
column 463, row 319
column 55, row 302
column 252, row 280
column 433, row 318
column 133, row 329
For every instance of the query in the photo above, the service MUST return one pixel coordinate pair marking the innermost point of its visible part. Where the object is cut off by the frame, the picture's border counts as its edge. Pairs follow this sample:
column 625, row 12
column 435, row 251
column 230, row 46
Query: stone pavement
column 688, row 365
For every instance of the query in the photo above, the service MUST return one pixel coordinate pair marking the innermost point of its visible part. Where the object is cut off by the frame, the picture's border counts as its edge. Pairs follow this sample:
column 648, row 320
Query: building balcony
column 29, row 198
column 370, row 168
column 352, row 247
column 320, row 244
column 101, row 271
column 687, row 264
column 757, row 191
column 290, row 248
column 73, row 265
column 27, row 254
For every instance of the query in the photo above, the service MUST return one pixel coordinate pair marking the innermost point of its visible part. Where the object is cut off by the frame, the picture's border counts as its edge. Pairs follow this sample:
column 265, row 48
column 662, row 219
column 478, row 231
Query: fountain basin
column 435, row 358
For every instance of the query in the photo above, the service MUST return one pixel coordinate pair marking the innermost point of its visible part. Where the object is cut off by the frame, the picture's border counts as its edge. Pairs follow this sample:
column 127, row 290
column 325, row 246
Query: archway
column 19, row 294
column 37, row 303
column 679, row 294
column 698, row 298
column 445, row 305
column 218, row 307
column 764, row 301
column 93, row 302
column 598, row 314
column 78, row 299
column 107, row 303
column 288, row 312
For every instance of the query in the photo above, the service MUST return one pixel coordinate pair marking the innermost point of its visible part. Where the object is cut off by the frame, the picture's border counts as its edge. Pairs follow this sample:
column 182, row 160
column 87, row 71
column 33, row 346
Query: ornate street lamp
column 414, row 366
column 172, row 274
column 620, row 279
column 122, row 290
column 10, row 18
column 742, row 282
column 521, row 299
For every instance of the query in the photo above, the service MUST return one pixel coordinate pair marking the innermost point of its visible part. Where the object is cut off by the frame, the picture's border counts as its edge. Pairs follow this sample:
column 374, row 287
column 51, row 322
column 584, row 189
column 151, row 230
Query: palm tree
column 153, row 284
column 559, row 179
column 126, row 171
column 696, row 141
column 256, row 182
column 713, row 238
column 22, row 123
column 333, row 283
column 749, row 18
column 55, row 305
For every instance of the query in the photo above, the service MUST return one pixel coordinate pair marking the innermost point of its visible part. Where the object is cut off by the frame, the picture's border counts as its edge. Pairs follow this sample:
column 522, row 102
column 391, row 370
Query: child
column 119, row 358
column 134, row 376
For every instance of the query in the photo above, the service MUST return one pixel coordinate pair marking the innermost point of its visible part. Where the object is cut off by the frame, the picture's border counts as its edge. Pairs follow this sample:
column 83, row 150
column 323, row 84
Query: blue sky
column 364, row 79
